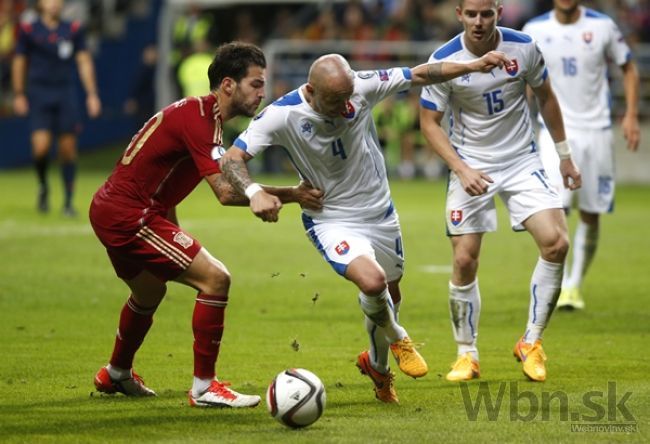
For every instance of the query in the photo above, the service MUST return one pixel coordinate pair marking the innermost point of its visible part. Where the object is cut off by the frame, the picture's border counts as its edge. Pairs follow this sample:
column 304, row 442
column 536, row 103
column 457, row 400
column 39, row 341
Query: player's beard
column 241, row 108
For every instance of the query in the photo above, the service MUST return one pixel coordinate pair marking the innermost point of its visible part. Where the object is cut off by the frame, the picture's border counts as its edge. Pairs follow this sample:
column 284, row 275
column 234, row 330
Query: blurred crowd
column 198, row 30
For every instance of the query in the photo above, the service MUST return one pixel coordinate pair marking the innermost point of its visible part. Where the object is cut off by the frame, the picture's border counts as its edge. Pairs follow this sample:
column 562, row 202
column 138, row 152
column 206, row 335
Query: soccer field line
column 435, row 269
column 13, row 229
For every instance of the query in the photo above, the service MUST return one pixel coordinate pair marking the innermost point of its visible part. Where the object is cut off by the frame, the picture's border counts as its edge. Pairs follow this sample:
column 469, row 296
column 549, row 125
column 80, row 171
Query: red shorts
column 158, row 246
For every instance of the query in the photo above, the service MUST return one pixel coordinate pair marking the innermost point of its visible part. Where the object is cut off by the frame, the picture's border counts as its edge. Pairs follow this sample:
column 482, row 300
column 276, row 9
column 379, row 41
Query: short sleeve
column 78, row 34
column 435, row 97
column 376, row 85
column 199, row 137
column 617, row 49
column 22, row 41
column 537, row 71
column 262, row 132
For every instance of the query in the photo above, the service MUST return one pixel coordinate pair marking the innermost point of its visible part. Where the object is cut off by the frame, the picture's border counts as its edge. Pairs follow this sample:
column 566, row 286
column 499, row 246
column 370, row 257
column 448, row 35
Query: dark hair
column 233, row 60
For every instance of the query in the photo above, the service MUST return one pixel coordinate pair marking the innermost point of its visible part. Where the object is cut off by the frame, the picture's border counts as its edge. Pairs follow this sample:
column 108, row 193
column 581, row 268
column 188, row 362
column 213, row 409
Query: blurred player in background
column 44, row 87
column 491, row 152
column 133, row 214
column 326, row 126
column 577, row 44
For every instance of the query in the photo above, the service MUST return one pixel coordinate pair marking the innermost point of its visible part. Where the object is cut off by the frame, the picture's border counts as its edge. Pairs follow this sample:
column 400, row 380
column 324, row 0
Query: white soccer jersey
column 490, row 119
column 341, row 155
column 576, row 55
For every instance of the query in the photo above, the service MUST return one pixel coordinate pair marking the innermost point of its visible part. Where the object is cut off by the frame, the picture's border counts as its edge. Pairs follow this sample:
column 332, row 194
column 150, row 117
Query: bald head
column 330, row 70
column 330, row 83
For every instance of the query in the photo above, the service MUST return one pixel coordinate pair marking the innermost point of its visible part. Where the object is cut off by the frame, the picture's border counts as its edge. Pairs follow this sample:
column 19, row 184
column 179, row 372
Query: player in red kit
column 133, row 215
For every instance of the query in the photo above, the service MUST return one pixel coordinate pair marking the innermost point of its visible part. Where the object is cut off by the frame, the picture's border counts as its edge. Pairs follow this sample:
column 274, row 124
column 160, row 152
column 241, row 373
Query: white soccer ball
column 296, row 398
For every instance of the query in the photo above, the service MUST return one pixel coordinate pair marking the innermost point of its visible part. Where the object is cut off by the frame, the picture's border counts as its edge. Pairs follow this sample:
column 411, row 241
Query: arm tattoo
column 235, row 172
column 434, row 72
column 226, row 193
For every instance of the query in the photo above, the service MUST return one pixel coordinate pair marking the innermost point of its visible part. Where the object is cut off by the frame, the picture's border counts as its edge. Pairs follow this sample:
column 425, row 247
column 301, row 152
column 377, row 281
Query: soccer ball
column 296, row 398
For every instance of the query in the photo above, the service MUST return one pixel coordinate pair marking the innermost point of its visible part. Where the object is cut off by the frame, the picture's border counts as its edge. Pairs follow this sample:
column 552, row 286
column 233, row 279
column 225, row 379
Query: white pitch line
column 436, row 269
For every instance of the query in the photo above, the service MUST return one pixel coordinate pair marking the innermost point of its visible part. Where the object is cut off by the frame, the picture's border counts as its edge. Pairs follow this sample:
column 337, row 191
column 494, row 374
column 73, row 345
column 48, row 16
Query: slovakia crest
column 512, row 68
column 587, row 36
column 349, row 110
column 383, row 75
column 456, row 217
column 342, row 248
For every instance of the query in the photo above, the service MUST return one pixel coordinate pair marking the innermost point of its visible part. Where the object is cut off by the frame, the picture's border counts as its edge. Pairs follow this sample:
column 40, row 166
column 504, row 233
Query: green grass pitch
column 60, row 301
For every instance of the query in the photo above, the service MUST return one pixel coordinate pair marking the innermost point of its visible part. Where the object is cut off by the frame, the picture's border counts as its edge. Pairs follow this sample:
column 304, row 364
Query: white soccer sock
column 544, row 291
column 200, row 386
column 379, row 309
column 379, row 343
column 465, row 310
column 585, row 242
column 117, row 373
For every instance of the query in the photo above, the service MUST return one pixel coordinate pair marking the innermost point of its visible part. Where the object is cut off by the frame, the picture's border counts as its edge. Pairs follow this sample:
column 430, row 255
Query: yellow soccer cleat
column 384, row 383
column 570, row 299
column 409, row 360
column 533, row 358
column 464, row 369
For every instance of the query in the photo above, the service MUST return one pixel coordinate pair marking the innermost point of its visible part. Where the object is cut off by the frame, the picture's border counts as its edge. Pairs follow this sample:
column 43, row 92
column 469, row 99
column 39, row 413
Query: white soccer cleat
column 219, row 395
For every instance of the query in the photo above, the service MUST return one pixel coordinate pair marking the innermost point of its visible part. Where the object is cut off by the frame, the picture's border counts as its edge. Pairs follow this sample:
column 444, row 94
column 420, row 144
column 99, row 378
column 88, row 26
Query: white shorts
column 522, row 186
column 593, row 153
column 341, row 243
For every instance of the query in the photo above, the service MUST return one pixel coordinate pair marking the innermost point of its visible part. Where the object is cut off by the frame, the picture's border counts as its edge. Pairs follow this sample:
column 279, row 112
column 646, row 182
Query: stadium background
column 371, row 33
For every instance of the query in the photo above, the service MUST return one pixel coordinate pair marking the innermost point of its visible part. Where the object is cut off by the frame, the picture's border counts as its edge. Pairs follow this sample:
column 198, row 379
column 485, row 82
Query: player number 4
column 337, row 149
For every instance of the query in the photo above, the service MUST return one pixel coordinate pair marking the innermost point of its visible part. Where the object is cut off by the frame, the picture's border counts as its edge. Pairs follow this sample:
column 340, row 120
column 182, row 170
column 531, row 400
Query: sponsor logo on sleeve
column 363, row 75
column 217, row 152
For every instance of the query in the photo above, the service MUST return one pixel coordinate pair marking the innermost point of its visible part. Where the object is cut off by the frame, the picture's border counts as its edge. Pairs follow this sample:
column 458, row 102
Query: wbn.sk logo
column 595, row 407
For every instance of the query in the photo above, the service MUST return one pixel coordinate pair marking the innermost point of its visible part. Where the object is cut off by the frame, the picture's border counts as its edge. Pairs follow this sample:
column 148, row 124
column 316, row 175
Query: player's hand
column 474, row 182
column 489, row 61
column 265, row 206
column 21, row 105
column 93, row 105
column 570, row 174
column 631, row 132
column 309, row 197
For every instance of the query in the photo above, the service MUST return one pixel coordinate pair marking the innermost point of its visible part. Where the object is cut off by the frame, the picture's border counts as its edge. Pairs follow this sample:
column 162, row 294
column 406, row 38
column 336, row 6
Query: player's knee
column 372, row 285
column 557, row 250
column 217, row 281
column 465, row 262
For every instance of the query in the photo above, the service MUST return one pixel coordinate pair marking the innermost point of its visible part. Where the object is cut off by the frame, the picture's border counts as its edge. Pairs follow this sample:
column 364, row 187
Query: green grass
column 60, row 301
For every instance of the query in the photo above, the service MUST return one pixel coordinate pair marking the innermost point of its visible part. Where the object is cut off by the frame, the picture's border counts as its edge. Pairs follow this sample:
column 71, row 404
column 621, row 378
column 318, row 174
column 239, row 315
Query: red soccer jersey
column 164, row 162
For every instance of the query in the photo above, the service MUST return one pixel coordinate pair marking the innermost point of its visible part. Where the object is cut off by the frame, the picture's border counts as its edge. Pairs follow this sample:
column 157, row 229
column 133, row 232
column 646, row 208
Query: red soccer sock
column 207, row 325
column 135, row 322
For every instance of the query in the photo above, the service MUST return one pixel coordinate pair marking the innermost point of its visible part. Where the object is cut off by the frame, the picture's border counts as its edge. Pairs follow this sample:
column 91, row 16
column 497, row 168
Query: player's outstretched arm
column 550, row 110
column 233, row 166
column 437, row 72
